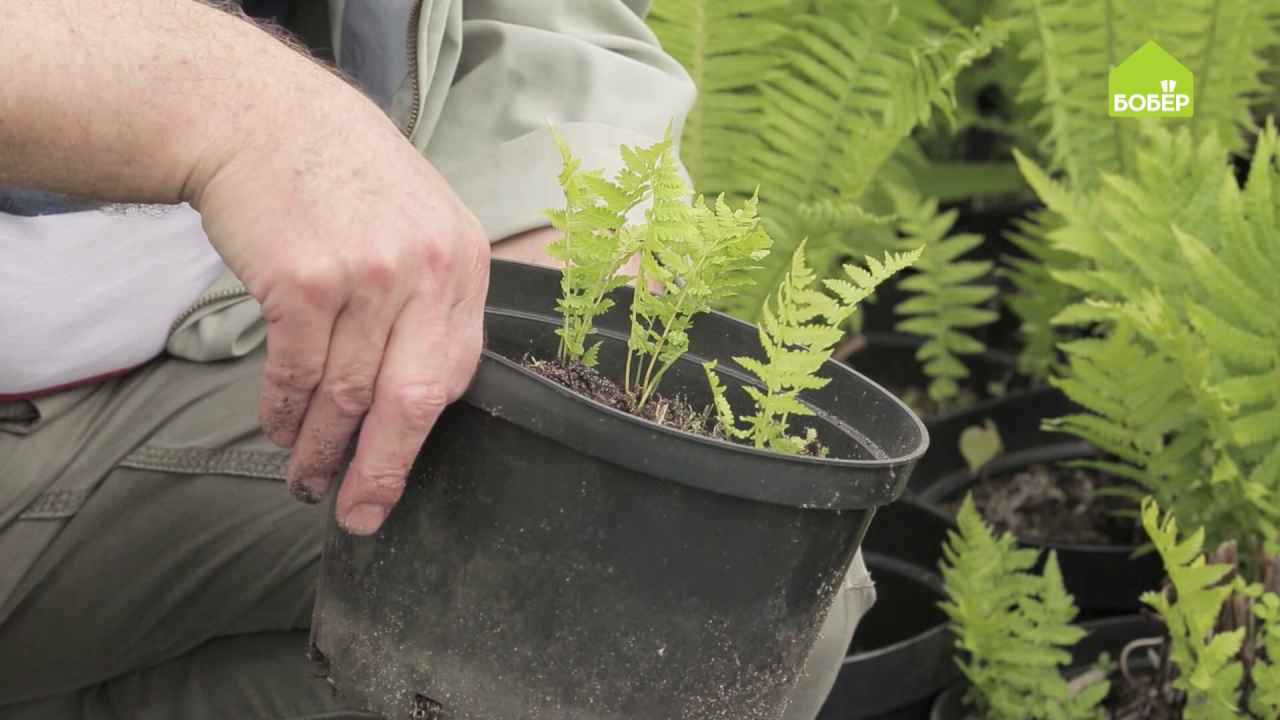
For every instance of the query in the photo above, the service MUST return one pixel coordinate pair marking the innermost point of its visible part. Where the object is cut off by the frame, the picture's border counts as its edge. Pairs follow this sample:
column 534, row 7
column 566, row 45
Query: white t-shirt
column 90, row 293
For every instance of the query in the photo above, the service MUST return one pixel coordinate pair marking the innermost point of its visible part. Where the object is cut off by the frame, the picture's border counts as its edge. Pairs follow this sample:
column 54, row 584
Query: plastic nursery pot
column 1108, row 636
column 1104, row 579
column 554, row 559
column 1018, row 416
column 901, row 656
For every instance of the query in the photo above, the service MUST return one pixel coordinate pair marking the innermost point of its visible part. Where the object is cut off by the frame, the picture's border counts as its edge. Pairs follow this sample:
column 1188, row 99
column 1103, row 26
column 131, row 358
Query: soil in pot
column 1095, row 549
column 1046, row 503
column 676, row 412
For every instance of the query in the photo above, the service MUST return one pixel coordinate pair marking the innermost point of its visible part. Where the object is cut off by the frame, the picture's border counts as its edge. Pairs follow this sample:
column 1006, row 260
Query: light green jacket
column 476, row 86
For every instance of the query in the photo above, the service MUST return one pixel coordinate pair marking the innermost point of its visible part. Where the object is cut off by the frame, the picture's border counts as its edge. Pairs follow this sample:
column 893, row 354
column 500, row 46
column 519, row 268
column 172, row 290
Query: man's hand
column 371, row 273
column 372, row 278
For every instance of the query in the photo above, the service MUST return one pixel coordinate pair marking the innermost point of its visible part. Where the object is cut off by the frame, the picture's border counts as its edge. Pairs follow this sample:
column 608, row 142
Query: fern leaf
column 945, row 300
column 1210, row 671
column 855, row 81
column 726, row 46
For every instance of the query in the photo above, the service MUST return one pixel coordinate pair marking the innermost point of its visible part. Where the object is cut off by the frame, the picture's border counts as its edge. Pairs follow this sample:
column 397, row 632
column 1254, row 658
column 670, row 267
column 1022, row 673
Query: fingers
column 299, row 322
column 418, row 380
column 344, row 395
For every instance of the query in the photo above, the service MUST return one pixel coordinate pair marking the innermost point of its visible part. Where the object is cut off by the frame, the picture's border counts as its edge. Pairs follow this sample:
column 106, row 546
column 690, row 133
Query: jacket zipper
column 206, row 300
column 415, row 17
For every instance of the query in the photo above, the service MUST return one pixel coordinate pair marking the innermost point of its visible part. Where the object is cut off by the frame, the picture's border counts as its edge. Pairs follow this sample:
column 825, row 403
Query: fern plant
column 799, row 326
column 726, row 46
column 1012, row 626
column 698, row 255
column 1210, row 673
column 1066, row 49
column 1071, row 46
column 690, row 255
column 1265, row 701
column 1037, row 295
column 1177, row 263
column 1223, row 663
column 857, row 79
column 594, row 243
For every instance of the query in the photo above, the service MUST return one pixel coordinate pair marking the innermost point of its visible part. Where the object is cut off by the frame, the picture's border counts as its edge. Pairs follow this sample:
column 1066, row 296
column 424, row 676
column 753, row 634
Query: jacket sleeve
column 514, row 68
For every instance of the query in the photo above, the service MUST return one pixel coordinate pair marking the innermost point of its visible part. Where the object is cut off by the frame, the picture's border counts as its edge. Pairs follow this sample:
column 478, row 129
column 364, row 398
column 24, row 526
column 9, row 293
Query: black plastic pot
column 1018, row 414
column 555, row 559
column 1105, row 636
column 901, row 657
column 1105, row 579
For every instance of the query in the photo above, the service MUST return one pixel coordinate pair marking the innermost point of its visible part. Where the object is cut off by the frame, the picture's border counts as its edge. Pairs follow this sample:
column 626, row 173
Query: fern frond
column 727, row 46
column 1210, row 673
column 946, row 295
column 1038, row 297
column 857, row 78
column 798, row 328
column 593, row 243
column 1012, row 627
column 1073, row 44
column 699, row 255
column 1264, row 702
column 1224, row 44
column 1174, row 261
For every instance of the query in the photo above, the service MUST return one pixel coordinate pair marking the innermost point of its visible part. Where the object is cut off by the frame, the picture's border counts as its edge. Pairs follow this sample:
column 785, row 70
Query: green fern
column 726, row 46
column 1013, row 627
column 690, row 256
column 594, row 244
column 1264, row 702
column 1179, row 260
column 856, row 80
column 799, row 326
column 1210, row 672
column 698, row 255
column 1038, row 297
column 1071, row 46
column 946, row 296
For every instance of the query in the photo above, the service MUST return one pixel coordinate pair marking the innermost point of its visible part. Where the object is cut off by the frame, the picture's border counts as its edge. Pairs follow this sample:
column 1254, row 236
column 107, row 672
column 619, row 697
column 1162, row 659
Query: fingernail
column 364, row 519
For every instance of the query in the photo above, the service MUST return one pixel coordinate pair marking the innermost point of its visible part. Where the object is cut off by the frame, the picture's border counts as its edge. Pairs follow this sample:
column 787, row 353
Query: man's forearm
column 142, row 100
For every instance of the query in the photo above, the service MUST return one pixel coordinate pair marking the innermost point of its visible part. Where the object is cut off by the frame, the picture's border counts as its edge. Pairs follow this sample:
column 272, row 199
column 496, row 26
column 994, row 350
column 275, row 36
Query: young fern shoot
column 595, row 242
column 696, row 255
column 799, row 326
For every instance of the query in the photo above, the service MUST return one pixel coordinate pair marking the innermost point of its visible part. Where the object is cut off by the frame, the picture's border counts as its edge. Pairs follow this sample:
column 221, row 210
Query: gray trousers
column 163, row 571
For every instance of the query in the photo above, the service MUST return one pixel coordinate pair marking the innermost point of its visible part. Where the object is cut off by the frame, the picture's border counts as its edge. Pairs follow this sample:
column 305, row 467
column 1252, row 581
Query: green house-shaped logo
column 1151, row 83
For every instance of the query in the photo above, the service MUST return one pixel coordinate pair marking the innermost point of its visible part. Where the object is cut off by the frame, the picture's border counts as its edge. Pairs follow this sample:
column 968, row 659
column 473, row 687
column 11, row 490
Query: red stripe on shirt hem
column 102, row 377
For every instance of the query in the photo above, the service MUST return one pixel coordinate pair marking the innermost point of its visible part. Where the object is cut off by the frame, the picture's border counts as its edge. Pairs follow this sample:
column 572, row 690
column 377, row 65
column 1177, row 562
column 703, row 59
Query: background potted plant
column 1214, row 652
